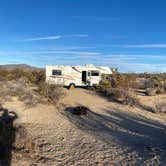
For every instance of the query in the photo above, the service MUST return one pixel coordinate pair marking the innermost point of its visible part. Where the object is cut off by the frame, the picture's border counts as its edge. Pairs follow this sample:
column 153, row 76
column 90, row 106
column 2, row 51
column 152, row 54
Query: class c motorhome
column 88, row 75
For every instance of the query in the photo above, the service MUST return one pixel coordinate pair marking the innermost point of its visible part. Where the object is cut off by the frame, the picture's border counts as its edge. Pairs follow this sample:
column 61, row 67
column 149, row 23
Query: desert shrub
column 153, row 83
column 119, row 80
column 154, row 86
column 29, row 99
column 123, row 96
column 160, row 90
column 150, row 92
column 122, row 80
column 160, row 107
column 19, row 89
column 35, row 77
column 28, row 86
column 9, row 88
column 29, row 93
column 3, row 74
column 117, row 88
column 104, row 84
column 52, row 93
column 31, row 76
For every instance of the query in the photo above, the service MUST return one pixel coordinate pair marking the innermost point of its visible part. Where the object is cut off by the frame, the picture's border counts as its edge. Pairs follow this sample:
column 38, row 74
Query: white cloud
column 124, row 62
column 56, row 37
column 136, row 63
column 43, row 38
column 76, row 54
column 66, row 52
column 135, row 57
column 146, row 46
column 140, row 67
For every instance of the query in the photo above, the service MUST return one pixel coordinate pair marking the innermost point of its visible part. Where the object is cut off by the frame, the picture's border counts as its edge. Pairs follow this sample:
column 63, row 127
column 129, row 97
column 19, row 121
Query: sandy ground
column 111, row 134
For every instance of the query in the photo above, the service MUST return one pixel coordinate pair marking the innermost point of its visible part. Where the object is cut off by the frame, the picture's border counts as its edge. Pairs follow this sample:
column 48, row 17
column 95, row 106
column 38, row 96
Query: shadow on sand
column 136, row 133
column 7, row 136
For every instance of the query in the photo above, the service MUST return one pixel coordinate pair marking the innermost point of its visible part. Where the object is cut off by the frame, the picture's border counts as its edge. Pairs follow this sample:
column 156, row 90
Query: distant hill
column 19, row 66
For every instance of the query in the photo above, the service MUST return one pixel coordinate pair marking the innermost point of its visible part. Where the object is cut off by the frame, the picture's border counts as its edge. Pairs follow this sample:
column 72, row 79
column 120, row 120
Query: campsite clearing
column 110, row 134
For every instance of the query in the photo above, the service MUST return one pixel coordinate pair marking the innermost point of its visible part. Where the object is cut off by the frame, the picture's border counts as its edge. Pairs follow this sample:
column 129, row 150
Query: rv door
column 84, row 77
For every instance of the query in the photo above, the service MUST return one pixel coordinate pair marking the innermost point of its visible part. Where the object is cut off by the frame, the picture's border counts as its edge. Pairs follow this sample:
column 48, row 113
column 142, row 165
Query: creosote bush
column 160, row 106
column 150, row 91
column 117, row 87
column 123, row 96
column 31, row 76
column 153, row 84
column 52, row 93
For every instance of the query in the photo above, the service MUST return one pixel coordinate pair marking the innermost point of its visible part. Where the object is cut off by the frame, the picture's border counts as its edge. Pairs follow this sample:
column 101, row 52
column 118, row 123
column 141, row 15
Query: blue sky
column 128, row 34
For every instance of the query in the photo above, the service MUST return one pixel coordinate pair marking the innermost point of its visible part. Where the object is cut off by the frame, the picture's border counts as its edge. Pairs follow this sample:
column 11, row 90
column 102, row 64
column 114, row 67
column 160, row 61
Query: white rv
column 88, row 75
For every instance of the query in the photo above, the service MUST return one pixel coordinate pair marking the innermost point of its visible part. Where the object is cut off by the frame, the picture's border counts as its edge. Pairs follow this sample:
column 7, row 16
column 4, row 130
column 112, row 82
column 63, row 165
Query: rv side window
column 56, row 72
column 94, row 73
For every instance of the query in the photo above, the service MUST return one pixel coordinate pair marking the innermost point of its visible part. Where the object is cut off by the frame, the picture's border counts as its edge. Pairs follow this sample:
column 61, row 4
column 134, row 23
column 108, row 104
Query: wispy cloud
column 65, row 52
column 135, row 57
column 139, row 67
column 43, row 38
column 55, row 37
column 47, row 53
column 146, row 46
column 124, row 62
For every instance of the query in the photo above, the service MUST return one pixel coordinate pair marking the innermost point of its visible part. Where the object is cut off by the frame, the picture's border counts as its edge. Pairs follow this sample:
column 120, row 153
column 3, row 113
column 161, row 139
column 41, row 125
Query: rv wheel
column 71, row 86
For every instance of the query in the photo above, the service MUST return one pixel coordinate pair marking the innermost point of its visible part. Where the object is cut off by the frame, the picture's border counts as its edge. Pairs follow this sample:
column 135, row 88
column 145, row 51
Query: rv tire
column 71, row 86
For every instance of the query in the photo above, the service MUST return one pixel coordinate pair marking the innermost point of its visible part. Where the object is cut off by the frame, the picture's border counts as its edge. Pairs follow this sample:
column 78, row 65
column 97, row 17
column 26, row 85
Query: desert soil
column 110, row 134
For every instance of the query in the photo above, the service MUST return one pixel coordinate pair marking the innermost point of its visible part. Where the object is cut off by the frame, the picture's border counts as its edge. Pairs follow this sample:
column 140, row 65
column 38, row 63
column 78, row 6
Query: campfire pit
column 79, row 110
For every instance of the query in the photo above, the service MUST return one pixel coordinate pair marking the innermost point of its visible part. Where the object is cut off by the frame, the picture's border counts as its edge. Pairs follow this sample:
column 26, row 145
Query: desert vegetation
column 122, row 88
column 118, row 87
column 160, row 106
column 28, row 86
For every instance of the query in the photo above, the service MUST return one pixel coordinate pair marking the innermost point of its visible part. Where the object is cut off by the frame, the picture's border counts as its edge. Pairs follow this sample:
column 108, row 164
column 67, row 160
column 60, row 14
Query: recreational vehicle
column 72, row 76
